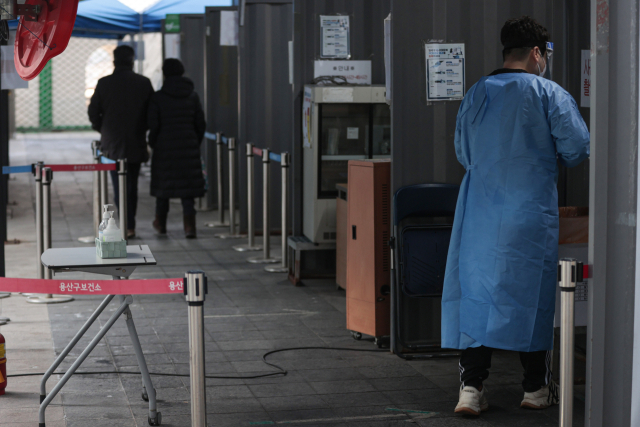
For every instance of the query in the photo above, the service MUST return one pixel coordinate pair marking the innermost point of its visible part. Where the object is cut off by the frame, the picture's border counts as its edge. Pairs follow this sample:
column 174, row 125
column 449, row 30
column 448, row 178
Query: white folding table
column 60, row 260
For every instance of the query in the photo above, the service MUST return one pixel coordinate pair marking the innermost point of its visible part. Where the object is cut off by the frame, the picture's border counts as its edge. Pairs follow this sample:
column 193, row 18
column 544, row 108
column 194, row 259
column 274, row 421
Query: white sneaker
column 472, row 401
column 543, row 398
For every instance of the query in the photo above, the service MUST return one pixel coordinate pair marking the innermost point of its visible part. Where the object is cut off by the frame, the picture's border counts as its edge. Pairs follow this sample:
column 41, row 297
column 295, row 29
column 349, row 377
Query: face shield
column 548, row 74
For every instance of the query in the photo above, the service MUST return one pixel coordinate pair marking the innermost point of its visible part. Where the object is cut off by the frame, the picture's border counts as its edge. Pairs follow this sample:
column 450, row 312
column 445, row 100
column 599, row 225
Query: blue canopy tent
column 113, row 19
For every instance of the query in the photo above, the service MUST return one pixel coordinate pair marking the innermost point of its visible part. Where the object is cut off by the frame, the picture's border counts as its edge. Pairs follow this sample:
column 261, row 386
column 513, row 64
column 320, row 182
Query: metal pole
column 285, row 161
column 233, row 233
column 39, row 236
column 104, row 188
column 97, row 208
column 195, row 290
column 47, row 177
column 266, row 229
column 220, row 222
column 39, row 244
column 122, row 196
column 570, row 272
column 251, row 244
column 97, row 217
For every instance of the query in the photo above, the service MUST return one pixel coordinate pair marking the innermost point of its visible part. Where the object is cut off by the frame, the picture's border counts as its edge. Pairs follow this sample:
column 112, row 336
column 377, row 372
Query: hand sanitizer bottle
column 105, row 219
column 112, row 232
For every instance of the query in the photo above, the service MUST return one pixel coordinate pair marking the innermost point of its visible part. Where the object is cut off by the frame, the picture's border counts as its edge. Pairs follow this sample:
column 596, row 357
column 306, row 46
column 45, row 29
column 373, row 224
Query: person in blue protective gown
column 513, row 127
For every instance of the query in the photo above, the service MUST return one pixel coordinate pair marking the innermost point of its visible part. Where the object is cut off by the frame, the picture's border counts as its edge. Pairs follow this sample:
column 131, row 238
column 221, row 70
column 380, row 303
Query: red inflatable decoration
column 39, row 41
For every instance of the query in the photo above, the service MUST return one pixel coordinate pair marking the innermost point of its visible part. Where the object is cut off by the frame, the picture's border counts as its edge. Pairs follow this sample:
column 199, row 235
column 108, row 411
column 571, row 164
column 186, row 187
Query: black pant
column 475, row 364
column 188, row 206
column 133, row 172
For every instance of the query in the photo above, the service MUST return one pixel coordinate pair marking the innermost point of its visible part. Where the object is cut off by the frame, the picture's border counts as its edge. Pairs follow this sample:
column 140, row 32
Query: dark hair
column 172, row 67
column 520, row 35
column 124, row 56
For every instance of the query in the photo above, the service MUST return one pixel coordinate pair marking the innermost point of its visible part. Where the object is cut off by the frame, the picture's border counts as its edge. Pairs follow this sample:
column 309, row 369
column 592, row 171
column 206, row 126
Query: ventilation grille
column 385, row 204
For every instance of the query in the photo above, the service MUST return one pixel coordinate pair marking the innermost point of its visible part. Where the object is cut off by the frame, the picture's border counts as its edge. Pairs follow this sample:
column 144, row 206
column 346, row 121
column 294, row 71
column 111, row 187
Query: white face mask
column 544, row 70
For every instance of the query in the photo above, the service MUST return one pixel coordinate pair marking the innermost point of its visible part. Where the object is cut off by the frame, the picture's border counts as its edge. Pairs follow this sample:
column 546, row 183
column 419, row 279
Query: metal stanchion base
column 278, row 269
column 260, row 260
column 27, row 295
column 87, row 239
column 230, row 236
column 4, row 295
column 216, row 224
column 247, row 248
column 44, row 299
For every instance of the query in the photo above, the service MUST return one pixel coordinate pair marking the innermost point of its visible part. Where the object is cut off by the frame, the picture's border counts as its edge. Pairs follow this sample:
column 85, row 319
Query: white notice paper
column 10, row 77
column 228, row 28
column 356, row 72
column 334, row 33
column 585, row 80
column 352, row 133
column 172, row 45
column 445, row 71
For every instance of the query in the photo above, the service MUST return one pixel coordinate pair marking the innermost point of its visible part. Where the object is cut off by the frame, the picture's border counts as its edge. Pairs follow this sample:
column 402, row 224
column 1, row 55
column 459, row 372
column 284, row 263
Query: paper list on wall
column 335, row 36
column 446, row 78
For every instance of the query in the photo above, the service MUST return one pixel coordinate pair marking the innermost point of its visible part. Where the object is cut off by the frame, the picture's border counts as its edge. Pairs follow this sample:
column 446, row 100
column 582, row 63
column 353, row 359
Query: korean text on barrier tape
column 92, row 287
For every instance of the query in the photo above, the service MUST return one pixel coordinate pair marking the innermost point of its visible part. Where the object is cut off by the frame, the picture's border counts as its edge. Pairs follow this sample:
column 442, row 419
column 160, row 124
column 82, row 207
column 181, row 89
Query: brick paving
column 247, row 313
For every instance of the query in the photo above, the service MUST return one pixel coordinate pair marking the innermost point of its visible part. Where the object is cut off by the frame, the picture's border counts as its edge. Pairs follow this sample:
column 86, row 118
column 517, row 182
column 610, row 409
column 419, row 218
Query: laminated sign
column 445, row 71
column 334, row 33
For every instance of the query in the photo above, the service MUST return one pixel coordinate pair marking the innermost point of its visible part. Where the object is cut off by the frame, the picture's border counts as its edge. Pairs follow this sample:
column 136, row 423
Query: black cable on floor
column 280, row 371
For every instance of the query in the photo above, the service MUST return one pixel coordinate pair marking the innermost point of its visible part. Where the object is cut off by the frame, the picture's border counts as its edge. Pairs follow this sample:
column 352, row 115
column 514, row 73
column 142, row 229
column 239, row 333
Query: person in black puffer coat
column 177, row 126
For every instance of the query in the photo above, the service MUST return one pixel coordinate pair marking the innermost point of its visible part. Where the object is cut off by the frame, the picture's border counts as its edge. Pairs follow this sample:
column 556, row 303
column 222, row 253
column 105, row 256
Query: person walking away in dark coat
column 177, row 126
column 118, row 110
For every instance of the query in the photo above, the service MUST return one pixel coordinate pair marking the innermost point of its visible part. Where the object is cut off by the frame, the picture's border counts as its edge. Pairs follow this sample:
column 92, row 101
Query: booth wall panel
column 265, row 108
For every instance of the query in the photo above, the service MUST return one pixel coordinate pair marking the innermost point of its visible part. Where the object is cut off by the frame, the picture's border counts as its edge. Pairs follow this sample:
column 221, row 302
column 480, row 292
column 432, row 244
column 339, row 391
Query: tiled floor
column 247, row 313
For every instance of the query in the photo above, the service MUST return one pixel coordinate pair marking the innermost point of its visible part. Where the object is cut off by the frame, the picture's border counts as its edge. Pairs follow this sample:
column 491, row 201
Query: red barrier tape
column 83, row 168
column 257, row 151
column 92, row 287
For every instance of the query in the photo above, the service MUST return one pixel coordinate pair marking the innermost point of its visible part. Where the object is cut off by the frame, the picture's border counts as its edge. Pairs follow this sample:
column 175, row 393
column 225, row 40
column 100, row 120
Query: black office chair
column 423, row 218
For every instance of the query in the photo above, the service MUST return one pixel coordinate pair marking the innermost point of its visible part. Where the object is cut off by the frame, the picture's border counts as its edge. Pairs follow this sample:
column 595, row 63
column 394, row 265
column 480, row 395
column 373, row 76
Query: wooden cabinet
column 368, row 255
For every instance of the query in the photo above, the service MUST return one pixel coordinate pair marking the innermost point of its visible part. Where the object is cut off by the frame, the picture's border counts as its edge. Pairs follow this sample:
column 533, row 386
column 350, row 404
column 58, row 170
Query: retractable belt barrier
column 92, row 287
column 90, row 167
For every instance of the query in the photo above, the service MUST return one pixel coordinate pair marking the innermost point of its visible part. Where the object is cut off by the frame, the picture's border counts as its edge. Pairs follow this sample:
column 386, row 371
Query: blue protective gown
column 499, row 287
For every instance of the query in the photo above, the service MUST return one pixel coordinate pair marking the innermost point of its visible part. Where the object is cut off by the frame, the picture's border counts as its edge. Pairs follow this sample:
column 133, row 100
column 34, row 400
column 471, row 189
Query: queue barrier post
column 122, row 197
column 104, row 189
column 251, row 234
column 47, row 177
column 285, row 162
column 233, row 233
column 195, row 289
column 39, row 244
column 97, row 209
column 220, row 184
column 266, row 229
column 37, row 171
column 570, row 272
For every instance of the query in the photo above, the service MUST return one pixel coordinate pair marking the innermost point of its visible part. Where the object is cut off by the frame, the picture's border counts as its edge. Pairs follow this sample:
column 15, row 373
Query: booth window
column 346, row 134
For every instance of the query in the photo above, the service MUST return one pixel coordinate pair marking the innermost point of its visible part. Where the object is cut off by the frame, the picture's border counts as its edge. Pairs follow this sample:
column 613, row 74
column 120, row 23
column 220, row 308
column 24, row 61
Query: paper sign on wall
column 334, row 34
column 445, row 71
column 172, row 46
column 10, row 77
column 306, row 119
column 585, row 80
column 356, row 72
column 229, row 28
